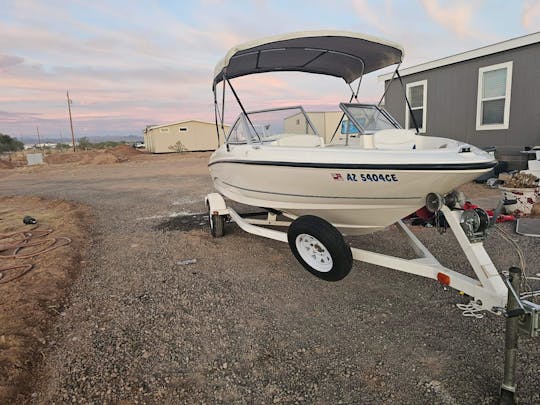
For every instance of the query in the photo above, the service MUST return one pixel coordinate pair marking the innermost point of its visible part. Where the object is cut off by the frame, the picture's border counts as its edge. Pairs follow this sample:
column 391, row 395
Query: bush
column 9, row 144
column 178, row 147
column 106, row 144
column 84, row 143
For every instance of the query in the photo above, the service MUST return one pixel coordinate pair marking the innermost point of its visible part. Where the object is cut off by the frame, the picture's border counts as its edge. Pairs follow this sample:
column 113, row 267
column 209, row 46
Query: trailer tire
column 320, row 248
column 217, row 226
column 217, row 223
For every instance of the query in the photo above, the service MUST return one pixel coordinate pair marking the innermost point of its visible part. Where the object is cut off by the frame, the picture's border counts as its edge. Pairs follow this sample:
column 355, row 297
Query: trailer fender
column 216, row 204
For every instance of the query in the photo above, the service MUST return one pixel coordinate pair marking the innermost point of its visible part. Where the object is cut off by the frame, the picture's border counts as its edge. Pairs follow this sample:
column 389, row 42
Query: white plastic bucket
column 525, row 199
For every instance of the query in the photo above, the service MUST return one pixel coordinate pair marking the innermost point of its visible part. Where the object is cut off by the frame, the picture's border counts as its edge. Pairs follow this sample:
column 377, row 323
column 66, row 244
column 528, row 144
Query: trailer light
column 443, row 278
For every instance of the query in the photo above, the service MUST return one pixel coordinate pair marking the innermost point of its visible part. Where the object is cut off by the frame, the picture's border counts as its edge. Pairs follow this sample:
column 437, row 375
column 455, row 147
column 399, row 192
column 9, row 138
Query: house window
column 164, row 130
column 183, row 129
column 417, row 96
column 297, row 122
column 493, row 102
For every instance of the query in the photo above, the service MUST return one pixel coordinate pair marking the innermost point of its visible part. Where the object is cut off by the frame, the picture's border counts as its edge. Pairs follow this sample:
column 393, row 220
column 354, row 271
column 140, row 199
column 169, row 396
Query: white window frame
column 164, row 130
column 424, row 105
column 183, row 129
column 507, row 97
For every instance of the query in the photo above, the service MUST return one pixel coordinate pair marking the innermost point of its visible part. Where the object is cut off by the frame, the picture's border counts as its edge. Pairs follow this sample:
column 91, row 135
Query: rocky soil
column 245, row 323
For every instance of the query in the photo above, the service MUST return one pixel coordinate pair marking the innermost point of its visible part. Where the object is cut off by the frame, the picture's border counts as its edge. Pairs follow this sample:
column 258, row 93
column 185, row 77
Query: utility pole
column 70, row 120
column 38, row 137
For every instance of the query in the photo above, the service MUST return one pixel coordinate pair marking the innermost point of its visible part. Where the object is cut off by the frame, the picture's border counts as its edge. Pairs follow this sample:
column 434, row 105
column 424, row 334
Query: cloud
column 6, row 116
column 373, row 17
column 130, row 64
column 530, row 17
column 455, row 16
column 7, row 61
column 133, row 64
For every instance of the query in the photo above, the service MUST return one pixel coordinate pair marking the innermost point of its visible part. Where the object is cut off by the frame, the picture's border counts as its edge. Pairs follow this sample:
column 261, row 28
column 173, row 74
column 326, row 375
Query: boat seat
column 394, row 139
column 298, row 140
column 534, row 164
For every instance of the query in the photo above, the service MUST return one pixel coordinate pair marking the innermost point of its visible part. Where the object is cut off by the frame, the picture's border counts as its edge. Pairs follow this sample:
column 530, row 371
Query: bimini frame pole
column 223, row 106
column 243, row 109
column 353, row 96
column 219, row 116
column 216, row 116
column 389, row 83
column 407, row 101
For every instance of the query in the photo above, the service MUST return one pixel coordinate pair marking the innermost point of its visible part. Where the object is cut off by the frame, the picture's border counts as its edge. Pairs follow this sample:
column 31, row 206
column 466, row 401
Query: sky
column 129, row 64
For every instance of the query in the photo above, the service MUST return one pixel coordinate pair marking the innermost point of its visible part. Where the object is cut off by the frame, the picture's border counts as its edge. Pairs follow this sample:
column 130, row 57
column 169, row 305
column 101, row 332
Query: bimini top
column 335, row 53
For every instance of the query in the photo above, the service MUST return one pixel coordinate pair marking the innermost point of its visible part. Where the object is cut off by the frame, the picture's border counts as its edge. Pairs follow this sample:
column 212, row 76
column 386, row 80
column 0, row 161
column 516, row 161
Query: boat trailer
column 492, row 291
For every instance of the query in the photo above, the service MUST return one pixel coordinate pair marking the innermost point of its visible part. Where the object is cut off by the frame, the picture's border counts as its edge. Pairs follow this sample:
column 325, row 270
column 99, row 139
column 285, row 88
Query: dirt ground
column 117, row 154
column 245, row 323
column 4, row 164
column 31, row 302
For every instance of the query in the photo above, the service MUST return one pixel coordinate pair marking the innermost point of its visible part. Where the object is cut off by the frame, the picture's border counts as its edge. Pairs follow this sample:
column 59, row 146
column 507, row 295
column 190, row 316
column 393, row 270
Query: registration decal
column 366, row 177
column 379, row 177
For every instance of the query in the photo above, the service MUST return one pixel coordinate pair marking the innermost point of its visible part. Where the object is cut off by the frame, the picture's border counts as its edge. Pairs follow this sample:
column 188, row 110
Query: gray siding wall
column 451, row 103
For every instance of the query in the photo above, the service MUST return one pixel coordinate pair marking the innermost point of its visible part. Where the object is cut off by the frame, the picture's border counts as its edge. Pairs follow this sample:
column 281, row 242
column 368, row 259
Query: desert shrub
column 9, row 144
column 178, row 147
column 84, row 143
column 106, row 144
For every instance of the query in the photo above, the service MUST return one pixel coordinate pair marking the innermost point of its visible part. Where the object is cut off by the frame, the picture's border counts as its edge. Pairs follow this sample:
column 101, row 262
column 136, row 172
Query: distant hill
column 67, row 139
column 117, row 138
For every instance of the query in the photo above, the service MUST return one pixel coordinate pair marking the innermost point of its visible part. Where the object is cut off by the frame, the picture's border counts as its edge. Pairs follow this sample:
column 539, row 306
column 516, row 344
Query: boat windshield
column 268, row 125
column 366, row 119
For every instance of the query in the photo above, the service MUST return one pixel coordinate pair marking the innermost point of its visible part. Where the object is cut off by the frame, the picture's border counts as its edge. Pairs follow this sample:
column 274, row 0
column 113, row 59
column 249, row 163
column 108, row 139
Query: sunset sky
column 128, row 64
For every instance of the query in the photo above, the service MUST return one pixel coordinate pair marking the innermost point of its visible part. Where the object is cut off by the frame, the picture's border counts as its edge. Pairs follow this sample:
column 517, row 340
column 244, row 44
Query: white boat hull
column 356, row 201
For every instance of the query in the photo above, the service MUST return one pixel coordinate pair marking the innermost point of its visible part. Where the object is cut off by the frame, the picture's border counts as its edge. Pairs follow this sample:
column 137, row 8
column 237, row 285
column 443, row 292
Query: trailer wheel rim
column 314, row 253
column 210, row 218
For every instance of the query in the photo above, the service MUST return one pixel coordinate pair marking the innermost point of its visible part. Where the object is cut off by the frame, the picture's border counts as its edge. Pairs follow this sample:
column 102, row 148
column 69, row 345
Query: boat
column 371, row 175
column 368, row 177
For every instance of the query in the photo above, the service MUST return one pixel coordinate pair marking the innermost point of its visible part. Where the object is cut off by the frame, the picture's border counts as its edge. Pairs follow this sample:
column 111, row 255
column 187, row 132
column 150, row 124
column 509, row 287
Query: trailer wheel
column 320, row 248
column 217, row 224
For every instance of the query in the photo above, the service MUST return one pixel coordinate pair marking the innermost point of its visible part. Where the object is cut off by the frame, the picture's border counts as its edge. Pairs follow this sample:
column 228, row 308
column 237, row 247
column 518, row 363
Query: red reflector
column 443, row 278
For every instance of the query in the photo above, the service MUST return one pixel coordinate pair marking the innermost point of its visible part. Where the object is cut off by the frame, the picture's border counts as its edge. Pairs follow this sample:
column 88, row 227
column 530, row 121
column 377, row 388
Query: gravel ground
column 246, row 323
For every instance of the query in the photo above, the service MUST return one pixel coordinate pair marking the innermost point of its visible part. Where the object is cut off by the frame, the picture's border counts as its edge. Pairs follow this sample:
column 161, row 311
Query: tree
column 84, row 143
column 9, row 144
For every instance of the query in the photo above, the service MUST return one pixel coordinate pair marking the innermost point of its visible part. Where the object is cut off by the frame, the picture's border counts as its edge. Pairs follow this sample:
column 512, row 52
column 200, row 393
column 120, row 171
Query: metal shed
column 190, row 135
column 324, row 121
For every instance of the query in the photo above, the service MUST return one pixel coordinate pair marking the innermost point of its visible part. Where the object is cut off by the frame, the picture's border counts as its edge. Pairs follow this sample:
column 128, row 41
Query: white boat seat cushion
column 534, row 165
column 298, row 140
column 394, row 139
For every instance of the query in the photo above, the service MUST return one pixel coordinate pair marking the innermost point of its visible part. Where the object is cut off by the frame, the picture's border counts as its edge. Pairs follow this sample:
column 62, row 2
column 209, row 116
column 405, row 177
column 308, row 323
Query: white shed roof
column 464, row 56
column 180, row 122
